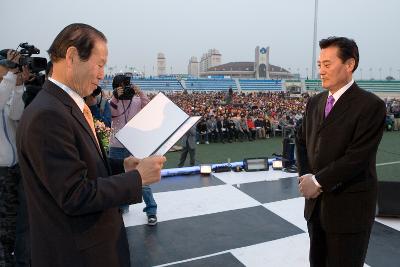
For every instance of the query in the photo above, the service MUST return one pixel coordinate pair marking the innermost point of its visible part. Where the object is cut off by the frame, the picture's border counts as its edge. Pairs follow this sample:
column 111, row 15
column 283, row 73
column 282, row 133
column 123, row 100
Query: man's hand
column 24, row 76
column 13, row 56
column 136, row 89
column 307, row 187
column 120, row 91
column 130, row 163
column 150, row 169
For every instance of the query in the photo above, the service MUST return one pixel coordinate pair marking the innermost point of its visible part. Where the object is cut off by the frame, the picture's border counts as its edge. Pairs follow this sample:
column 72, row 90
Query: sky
column 138, row 30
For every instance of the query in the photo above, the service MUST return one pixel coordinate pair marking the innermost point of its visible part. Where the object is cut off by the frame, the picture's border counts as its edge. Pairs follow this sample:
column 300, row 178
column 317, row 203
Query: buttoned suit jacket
column 73, row 190
column 340, row 150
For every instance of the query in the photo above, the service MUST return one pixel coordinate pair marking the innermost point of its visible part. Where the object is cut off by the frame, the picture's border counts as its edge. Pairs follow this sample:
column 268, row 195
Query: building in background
column 259, row 69
column 161, row 64
column 193, row 67
column 210, row 59
column 261, row 63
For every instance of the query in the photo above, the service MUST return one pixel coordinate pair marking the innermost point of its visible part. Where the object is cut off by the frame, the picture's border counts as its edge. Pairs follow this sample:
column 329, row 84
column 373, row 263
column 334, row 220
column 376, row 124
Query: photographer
column 99, row 106
column 11, row 108
column 126, row 102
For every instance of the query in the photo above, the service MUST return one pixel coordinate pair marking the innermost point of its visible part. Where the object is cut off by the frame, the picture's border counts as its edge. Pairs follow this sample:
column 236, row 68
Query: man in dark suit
column 73, row 190
column 336, row 150
column 188, row 146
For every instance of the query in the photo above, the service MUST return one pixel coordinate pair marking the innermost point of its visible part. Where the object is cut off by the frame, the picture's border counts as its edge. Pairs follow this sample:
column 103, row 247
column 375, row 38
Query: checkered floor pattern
column 236, row 219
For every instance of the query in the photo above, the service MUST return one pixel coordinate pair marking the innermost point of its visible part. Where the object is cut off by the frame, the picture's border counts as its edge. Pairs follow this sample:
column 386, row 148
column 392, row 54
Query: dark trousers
column 192, row 152
column 213, row 136
column 9, row 179
column 335, row 249
column 22, row 242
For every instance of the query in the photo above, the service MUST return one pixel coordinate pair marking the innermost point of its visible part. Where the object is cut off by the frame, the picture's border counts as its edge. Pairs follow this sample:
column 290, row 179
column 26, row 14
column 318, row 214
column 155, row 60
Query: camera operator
column 11, row 108
column 99, row 106
column 126, row 102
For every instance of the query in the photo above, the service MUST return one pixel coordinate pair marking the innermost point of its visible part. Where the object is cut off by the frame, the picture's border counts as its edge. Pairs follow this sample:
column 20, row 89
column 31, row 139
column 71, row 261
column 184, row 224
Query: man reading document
column 73, row 190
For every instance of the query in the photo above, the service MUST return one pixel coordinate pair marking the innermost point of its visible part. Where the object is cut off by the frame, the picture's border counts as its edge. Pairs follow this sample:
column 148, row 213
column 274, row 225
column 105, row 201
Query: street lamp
column 370, row 73
column 380, row 73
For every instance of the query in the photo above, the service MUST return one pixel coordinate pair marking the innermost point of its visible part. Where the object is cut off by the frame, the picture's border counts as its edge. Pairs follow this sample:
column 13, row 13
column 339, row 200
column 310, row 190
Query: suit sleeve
column 57, row 163
column 301, row 145
column 116, row 165
column 357, row 157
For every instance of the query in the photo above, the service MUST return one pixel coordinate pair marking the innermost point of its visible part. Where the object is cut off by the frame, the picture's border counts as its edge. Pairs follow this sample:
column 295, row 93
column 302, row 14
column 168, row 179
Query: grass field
column 388, row 158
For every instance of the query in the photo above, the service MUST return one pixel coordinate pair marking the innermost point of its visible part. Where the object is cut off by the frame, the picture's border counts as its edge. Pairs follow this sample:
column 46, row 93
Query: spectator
column 189, row 146
column 202, row 131
column 260, row 125
column 212, row 128
column 99, row 106
column 252, row 127
column 11, row 107
column 123, row 109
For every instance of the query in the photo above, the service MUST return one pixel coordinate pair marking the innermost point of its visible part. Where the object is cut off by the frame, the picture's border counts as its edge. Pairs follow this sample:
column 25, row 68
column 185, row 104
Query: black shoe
column 151, row 220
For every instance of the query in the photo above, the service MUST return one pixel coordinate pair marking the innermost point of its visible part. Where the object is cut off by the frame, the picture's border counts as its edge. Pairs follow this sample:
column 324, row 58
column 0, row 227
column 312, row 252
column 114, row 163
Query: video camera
column 123, row 81
column 97, row 91
column 35, row 64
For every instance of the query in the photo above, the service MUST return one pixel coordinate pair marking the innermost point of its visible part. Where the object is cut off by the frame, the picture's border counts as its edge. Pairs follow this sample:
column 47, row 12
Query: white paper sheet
column 154, row 126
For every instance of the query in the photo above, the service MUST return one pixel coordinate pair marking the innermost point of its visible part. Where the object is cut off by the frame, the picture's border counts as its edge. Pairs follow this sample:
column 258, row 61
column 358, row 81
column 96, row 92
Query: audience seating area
column 260, row 85
column 210, row 84
column 370, row 85
column 203, row 84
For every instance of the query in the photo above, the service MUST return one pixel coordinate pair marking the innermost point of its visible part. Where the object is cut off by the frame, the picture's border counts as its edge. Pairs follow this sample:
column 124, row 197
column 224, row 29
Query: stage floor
column 236, row 219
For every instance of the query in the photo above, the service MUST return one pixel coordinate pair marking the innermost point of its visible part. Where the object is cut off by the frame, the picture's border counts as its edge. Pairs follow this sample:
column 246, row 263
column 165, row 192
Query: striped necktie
column 329, row 105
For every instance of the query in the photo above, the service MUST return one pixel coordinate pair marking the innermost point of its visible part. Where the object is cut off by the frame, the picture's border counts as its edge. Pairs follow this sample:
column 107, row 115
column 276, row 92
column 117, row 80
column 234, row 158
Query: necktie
column 329, row 105
column 89, row 118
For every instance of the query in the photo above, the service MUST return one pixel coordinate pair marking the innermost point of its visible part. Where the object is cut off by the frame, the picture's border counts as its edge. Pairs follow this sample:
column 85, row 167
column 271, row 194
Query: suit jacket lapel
column 339, row 108
column 54, row 90
column 321, row 110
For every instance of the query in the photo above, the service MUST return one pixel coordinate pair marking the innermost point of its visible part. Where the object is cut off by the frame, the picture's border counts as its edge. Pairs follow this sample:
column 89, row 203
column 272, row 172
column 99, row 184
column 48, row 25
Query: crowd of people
column 248, row 115
column 393, row 114
column 76, row 190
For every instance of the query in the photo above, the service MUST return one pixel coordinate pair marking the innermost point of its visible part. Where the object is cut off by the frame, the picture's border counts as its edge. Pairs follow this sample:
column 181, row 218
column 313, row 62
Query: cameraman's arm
column 6, row 86
column 16, row 103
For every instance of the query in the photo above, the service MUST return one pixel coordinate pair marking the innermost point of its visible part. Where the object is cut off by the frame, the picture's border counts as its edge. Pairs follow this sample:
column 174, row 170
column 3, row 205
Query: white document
column 156, row 128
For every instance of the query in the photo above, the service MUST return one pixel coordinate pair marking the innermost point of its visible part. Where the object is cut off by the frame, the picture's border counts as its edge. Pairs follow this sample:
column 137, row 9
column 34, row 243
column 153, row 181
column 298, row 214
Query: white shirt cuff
column 315, row 181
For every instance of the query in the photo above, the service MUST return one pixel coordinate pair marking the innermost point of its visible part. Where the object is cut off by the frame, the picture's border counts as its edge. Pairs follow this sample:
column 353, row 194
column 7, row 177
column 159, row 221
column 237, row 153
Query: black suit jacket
column 72, row 196
column 341, row 152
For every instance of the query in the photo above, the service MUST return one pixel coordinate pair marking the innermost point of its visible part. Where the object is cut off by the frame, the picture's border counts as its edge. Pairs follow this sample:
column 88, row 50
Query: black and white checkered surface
column 236, row 219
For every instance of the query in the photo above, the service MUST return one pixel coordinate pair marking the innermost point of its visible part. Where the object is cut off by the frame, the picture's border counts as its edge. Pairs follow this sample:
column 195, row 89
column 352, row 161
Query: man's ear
column 350, row 63
column 71, row 55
